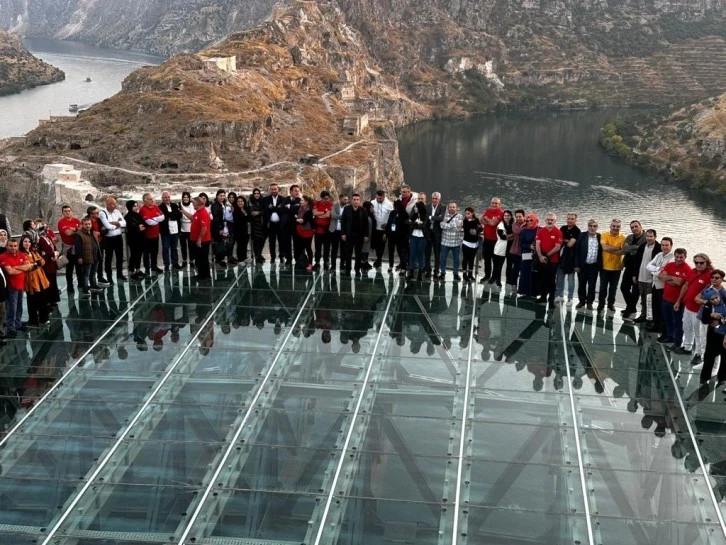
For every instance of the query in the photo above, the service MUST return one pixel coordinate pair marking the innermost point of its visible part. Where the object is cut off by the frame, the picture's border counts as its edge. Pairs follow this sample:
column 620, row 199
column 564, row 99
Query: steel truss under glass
column 272, row 407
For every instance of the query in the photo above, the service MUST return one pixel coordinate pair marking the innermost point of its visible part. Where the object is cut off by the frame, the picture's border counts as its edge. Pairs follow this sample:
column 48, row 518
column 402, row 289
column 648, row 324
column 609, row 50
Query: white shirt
column 107, row 217
column 186, row 223
column 274, row 218
column 656, row 264
column 381, row 211
column 644, row 275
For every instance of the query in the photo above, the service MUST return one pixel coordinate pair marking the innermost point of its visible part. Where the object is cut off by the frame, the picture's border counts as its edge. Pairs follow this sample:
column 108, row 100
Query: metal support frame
column 152, row 416
column 73, row 381
column 339, row 482
column 211, row 502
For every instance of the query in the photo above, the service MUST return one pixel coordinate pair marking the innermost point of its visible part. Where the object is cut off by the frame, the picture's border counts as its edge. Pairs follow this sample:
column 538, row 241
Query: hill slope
column 19, row 69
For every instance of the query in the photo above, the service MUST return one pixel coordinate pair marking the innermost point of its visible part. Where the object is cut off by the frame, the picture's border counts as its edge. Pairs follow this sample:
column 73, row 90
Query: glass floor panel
column 278, row 407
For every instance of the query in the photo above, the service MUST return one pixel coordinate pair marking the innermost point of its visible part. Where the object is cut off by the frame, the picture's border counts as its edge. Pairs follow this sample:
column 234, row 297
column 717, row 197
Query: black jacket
column 581, row 250
column 282, row 209
column 171, row 213
column 3, row 287
column 133, row 234
column 354, row 223
column 436, row 215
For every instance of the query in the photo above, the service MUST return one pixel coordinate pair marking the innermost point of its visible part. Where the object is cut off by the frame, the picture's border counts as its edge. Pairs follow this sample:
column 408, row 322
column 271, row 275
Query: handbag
column 61, row 261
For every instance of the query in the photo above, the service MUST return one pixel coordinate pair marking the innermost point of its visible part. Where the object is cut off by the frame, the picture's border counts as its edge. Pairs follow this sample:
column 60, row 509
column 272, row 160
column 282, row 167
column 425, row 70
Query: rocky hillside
column 459, row 56
column 19, row 69
column 158, row 27
column 305, row 102
column 687, row 145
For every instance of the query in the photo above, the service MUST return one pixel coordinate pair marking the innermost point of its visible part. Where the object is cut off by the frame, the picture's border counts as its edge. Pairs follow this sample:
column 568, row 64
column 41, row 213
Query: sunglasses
column 699, row 262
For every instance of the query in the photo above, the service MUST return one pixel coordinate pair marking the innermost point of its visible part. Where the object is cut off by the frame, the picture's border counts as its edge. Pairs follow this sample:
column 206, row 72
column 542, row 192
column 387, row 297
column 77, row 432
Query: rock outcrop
column 297, row 99
column 458, row 56
column 19, row 69
column 687, row 145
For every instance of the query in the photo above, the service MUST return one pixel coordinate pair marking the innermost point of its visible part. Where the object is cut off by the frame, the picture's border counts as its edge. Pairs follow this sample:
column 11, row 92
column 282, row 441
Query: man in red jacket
column 490, row 219
column 153, row 216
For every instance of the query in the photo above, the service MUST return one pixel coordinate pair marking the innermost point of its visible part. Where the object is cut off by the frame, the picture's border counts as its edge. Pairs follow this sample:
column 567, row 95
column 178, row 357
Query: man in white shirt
column 114, row 222
column 655, row 265
column 381, row 210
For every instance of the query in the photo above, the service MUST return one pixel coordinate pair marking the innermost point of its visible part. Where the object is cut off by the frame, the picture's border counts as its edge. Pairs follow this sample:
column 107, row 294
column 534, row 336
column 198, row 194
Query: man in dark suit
column 436, row 211
column 277, row 211
column 588, row 261
column 169, row 231
column 354, row 232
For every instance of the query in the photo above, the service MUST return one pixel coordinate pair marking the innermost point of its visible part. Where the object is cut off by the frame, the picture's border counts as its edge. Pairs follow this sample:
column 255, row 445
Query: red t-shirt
column 150, row 212
column 322, row 224
column 670, row 293
column 548, row 239
column 200, row 219
column 696, row 282
column 15, row 281
column 490, row 231
column 68, row 223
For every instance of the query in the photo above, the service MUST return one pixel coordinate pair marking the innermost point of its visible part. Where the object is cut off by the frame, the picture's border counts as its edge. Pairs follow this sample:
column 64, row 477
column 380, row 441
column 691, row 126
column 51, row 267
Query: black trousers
column 378, row 244
column 657, row 299
column 279, row 235
column 497, row 269
column 335, row 244
column 547, row 280
column 630, row 291
column 151, row 253
column 114, row 247
column 201, row 261
column 514, row 263
column 586, row 282
column 71, row 267
column 258, row 244
column 184, row 244
column 322, row 247
column 353, row 244
column 433, row 246
column 468, row 258
column 488, row 253
column 714, row 347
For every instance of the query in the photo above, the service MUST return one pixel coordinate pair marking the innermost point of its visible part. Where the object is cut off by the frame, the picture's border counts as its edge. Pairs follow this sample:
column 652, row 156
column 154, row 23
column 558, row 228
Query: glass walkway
column 271, row 408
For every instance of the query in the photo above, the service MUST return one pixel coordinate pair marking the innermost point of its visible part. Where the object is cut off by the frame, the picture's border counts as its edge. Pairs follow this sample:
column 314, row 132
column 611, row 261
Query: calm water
column 551, row 162
column 106, row 67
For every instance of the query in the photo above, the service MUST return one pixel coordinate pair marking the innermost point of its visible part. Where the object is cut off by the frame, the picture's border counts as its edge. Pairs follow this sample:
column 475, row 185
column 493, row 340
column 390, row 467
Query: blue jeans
column 417, row 250
column 454, row 256
column 89, row 275
column 169, row 244
column 608, row 286
column 14, row 310
column 560, row 291
column 673, row 321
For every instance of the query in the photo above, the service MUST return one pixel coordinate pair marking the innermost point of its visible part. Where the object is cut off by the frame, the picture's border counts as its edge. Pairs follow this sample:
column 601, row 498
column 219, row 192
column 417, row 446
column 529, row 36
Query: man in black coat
column 169, row 232
column 588, row 261
column 277, row 210
column 436, row 211
column 354, row 232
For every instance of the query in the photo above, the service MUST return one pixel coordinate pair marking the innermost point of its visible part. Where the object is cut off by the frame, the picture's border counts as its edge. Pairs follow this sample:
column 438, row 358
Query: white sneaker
column 559, row 299
column 569, row 303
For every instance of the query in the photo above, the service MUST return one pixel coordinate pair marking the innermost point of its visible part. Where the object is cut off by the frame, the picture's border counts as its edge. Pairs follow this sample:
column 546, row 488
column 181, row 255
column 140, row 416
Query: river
column 545, row 161
column 106, row 67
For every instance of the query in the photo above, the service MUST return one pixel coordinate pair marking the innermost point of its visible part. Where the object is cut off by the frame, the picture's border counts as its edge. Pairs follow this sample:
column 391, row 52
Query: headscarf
column 4, row 244
column 32, row 235
column 130, row 205
column 535, row 220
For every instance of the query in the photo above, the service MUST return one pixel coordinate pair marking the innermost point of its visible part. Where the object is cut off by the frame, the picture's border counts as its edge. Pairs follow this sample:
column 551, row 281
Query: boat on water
column 73, row 108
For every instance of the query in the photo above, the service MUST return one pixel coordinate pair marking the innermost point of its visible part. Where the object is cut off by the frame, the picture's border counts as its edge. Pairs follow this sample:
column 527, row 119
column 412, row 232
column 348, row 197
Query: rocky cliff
column 19, row 69
column 161, row 27
column 298, row 99
column 687, row 145
column 458, row 55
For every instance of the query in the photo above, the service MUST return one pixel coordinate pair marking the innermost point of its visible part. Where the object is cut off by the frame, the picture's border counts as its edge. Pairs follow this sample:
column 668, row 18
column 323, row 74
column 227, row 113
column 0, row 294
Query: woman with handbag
column 50, row 255
column 36, row 284
column 305, row 231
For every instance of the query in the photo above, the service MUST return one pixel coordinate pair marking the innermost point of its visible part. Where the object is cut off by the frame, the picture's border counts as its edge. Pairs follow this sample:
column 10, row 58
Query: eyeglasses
column 699, row 262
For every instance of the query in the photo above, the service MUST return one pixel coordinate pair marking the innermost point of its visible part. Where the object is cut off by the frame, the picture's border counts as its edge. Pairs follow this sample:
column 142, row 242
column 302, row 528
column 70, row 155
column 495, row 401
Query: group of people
column 533, row 260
